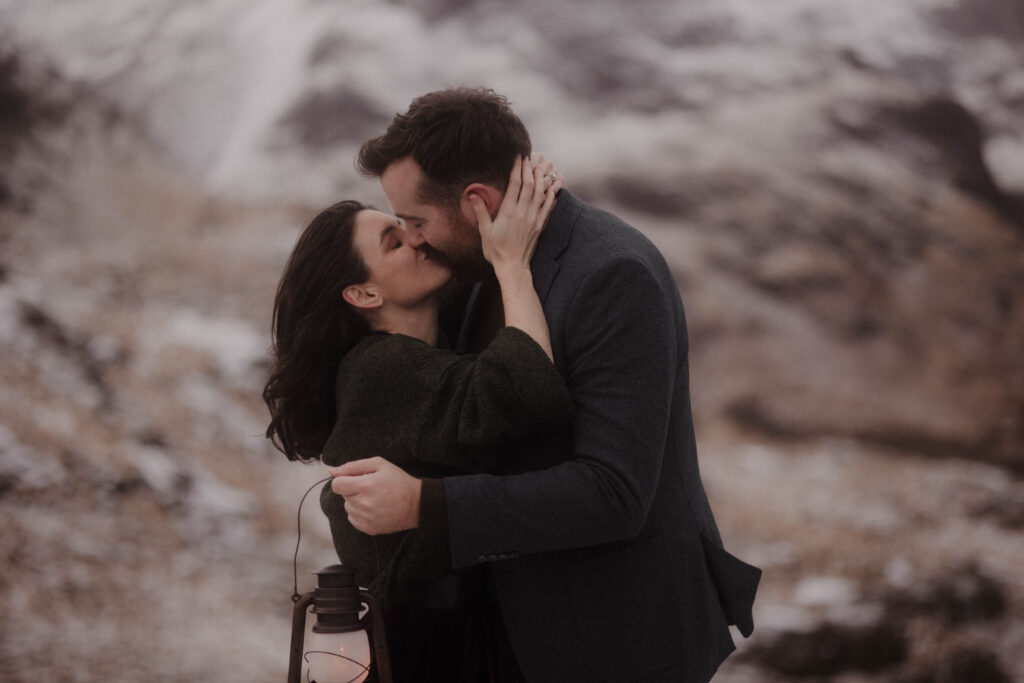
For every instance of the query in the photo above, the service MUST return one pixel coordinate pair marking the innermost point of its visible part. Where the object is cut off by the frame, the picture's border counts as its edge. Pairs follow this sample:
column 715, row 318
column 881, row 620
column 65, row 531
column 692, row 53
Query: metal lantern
column 337, row 648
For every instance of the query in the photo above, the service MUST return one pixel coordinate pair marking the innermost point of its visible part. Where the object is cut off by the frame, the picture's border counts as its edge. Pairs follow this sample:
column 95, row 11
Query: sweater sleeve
column 480, row 404
column 511, row 390
column 456, row 411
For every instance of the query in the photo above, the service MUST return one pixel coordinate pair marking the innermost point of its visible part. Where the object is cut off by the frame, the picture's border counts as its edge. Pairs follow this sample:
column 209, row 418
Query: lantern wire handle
column 295, row 560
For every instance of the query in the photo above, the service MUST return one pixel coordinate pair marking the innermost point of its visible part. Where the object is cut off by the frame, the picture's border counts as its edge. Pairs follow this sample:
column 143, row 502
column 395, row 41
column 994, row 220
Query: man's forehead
column 400, row 182
column 403, row 174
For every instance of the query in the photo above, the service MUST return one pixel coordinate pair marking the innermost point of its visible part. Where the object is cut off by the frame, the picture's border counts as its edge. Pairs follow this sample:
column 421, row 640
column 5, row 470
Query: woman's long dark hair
column 313, row 327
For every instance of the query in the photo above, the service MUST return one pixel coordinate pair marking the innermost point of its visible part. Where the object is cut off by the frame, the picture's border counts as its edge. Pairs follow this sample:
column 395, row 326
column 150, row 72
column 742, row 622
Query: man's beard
column 465, row 256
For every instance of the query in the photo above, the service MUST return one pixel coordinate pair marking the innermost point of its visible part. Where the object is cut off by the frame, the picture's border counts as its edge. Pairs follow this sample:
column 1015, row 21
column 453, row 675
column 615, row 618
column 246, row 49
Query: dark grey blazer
column 607, row 560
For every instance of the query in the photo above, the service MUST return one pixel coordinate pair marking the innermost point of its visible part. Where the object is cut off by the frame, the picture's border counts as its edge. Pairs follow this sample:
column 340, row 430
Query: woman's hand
column 511, row 237
column 509, row 240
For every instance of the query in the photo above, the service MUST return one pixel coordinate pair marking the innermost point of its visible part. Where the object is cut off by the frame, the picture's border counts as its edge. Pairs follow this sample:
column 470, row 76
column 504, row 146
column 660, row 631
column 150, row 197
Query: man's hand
column 380, row 498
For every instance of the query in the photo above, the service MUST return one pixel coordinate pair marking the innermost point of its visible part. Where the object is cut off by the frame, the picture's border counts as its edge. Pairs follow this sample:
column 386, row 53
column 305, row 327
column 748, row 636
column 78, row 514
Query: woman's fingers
column 511, row 235
column 543, row 169
column 528, row 184
column 541, row 210
column 515, row 182
column 549, row 199
column 542, row 179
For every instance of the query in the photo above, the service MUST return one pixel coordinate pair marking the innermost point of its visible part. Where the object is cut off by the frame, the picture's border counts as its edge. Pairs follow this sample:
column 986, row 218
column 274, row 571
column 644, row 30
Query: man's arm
column 621, row 359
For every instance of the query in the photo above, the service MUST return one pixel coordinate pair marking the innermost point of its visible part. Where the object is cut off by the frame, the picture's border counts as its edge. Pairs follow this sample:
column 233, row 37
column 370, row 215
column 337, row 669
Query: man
column 605, row 556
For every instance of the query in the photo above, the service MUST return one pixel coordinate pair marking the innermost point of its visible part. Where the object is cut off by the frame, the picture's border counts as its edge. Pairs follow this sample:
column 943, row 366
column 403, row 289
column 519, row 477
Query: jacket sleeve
column 621, row 363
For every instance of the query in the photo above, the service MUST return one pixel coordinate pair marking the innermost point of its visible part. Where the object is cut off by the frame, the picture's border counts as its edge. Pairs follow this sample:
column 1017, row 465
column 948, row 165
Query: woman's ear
column 490, row 196
column 363, row 296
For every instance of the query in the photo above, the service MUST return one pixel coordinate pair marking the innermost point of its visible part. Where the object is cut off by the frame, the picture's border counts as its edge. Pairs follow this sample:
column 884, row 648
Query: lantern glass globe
column 337, row 657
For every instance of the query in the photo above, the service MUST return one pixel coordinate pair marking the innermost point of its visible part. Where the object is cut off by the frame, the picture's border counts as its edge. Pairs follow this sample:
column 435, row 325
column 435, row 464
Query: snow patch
column 234, row 345
column 825, row 591
column 32, row 468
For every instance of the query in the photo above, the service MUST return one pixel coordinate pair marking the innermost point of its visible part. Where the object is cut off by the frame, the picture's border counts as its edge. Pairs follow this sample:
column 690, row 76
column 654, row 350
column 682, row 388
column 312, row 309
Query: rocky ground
column 148, row 528
column 838, row 192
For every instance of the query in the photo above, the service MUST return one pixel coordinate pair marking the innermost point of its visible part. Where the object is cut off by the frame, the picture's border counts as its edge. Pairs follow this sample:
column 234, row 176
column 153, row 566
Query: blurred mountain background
column 839, row 188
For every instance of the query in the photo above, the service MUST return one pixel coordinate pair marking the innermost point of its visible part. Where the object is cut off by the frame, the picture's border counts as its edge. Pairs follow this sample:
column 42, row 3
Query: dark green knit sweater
column 433, row 413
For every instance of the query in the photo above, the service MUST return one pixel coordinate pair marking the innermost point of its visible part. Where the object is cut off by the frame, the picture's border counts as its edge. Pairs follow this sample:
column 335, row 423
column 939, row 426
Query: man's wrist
column 416, row 495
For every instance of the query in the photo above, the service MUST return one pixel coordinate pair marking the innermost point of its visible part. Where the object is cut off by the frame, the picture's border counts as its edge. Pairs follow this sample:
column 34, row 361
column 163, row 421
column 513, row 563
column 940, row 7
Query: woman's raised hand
column 511, row 237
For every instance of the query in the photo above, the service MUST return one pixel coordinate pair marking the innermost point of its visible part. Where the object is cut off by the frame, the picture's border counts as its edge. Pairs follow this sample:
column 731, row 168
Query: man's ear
column 363, row 296
column 490, row 196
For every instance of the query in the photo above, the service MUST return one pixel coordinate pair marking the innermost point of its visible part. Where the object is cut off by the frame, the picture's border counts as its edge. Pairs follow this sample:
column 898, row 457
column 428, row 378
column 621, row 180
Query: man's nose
column 414, row 238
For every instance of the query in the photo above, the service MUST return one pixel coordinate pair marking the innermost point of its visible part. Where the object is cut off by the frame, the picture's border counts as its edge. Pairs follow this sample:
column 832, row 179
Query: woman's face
column 402, row 275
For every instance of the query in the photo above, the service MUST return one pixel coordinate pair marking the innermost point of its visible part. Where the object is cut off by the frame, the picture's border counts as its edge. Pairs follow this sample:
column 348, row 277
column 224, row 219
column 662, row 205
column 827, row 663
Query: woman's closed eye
column 393, row 237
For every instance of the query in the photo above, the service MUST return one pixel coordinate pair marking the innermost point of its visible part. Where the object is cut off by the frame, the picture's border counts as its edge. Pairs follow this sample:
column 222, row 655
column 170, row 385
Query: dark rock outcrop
column 962, row 665
column 953, row 139
column 962, row 595
column 326, row 118
column 29, row 102
column 833, row 649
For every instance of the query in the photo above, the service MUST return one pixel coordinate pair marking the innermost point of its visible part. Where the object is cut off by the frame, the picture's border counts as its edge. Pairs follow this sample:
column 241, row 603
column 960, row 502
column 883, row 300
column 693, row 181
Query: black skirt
column 463, row 644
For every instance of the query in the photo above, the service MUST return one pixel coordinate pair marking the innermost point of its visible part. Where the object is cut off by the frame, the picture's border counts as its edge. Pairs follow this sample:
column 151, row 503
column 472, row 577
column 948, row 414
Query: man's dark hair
column 458, row 136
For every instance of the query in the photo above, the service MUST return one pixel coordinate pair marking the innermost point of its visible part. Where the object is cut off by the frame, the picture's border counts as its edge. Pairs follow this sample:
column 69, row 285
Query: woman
column 358, row 373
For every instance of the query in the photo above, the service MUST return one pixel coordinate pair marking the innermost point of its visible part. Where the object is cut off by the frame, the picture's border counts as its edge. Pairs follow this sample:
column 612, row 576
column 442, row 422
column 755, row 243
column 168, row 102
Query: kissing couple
column 496, row 373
